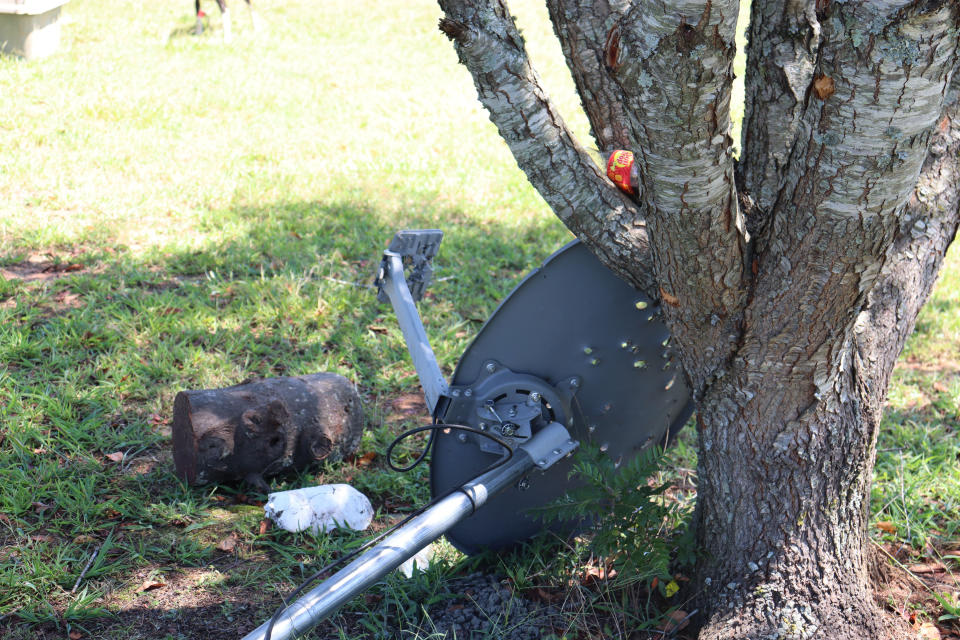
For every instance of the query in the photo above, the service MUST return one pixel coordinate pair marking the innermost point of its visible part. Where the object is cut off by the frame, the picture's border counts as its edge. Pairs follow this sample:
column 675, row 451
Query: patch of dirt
column 66, row 300
column 408, row 406
column 45, row 267
column 942, row 365
column 904, row 586
column 41, row 266
column 185, row 603
column 141, row 466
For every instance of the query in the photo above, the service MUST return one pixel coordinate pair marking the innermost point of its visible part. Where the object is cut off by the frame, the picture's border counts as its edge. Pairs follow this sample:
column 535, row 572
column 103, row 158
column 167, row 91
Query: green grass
column 199, row 213
column 917, row 481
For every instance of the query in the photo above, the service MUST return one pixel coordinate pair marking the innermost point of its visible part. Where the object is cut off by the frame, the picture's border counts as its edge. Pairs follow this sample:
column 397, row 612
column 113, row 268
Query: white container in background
column 30, row 28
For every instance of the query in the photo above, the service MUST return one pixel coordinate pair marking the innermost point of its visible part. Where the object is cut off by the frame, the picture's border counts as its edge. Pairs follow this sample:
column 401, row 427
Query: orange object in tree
column 622, row 169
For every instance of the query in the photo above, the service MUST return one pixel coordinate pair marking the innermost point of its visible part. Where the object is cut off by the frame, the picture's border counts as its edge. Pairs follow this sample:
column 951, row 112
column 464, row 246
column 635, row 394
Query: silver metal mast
column 548, row 445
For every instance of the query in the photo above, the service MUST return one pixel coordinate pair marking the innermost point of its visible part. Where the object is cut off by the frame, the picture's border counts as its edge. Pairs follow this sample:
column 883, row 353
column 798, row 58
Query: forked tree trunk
column 793, row 463
column 783, row 521
column 790, row 280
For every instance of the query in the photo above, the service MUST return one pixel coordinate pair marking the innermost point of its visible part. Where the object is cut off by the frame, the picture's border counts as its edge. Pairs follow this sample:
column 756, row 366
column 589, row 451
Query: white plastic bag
column 420, row 561
column 321, row 508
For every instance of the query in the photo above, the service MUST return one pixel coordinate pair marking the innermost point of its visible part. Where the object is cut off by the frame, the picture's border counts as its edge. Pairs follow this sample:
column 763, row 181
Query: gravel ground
column 486, row 608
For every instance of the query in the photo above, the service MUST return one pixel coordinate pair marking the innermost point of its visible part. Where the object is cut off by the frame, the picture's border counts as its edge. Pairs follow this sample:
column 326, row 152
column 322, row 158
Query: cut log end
column 262, row 428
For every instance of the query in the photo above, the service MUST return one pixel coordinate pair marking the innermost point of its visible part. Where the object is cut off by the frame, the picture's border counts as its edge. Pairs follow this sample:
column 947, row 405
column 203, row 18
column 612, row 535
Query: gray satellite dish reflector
column 573, row 344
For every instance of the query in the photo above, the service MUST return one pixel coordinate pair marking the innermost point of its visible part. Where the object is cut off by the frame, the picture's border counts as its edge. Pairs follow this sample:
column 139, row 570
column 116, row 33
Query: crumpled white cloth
column 420, row 561
column 321, row 508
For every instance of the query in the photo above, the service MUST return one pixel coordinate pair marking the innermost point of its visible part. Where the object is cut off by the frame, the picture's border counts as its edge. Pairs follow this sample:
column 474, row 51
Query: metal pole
column 424, row 361
column 547, row 446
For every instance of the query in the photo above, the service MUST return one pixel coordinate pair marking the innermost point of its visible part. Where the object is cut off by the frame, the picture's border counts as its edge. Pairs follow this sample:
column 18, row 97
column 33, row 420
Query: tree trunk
column 264, row 427
column 818, row 562
column 790, row 280
column 782, row 509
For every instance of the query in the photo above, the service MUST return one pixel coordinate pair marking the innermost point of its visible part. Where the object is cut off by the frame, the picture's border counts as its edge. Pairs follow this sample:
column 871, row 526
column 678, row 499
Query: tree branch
column 927, row 228
column 783, row 44
column 674, row 62
column 669, row 66
column 589, row 35
column 874, row 100
column 489, row 45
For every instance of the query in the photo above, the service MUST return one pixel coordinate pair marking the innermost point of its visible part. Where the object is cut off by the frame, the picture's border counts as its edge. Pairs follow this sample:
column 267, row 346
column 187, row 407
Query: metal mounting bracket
column 416, row 249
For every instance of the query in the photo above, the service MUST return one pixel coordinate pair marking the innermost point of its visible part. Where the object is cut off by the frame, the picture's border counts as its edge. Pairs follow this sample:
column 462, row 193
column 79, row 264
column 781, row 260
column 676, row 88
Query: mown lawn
column 179, row 213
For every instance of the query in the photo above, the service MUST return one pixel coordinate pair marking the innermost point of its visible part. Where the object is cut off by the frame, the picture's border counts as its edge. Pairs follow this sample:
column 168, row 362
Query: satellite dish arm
column 416, row 248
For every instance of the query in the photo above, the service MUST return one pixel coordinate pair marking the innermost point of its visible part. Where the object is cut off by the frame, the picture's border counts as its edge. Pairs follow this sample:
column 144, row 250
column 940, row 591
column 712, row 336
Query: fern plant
column 631, row 524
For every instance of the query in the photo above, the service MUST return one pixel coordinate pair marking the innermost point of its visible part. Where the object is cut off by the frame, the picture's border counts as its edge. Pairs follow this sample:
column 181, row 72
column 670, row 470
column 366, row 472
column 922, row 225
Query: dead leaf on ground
column 375, row 328
column 149, row 584
column 43, row 537
column 229, row 543
column 593, row 574
column 926, row 567
column 40, row 507
column 84, row 539
column 676, row 620
column 366, row 459
column 116, row 456
column 887, row 527
column 75, row 635
column 928, row 631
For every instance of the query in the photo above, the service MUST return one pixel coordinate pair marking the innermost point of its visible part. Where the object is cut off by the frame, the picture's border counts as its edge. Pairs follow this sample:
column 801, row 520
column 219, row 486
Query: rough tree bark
column 790, row 279
column 264, row 427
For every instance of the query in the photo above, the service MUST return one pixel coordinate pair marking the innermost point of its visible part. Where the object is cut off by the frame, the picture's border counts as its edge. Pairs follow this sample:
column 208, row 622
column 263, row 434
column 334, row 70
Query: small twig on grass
column 86, row 568
column 903, row 499
column 359, row 285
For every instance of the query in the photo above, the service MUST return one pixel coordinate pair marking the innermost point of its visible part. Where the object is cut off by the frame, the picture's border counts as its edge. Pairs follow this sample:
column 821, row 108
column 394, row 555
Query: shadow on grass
column 228, row 619
column 93, row 359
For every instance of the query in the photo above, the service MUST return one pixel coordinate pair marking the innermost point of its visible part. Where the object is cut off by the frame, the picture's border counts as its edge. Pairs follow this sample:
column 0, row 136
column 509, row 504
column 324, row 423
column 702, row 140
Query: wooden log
column 264, row 427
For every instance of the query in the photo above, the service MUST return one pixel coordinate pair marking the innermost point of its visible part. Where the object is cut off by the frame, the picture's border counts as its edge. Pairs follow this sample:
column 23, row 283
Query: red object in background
column 622, row 169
